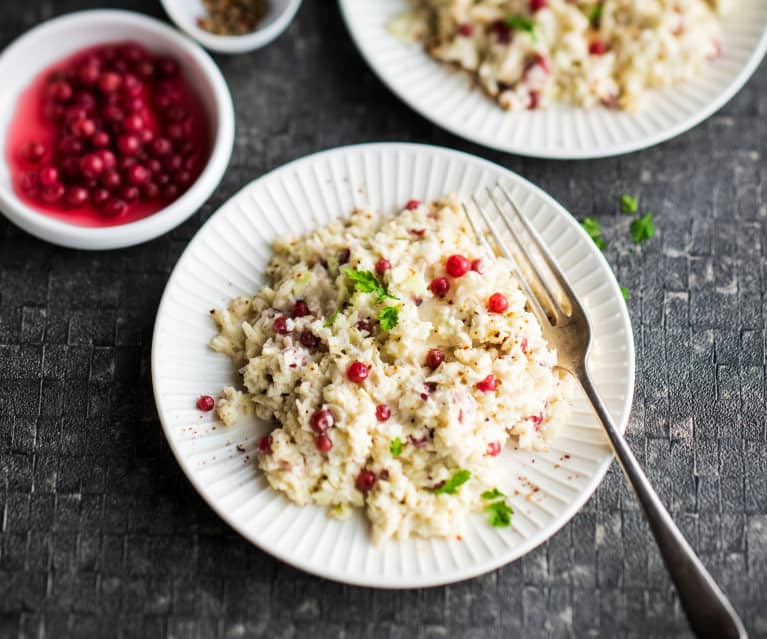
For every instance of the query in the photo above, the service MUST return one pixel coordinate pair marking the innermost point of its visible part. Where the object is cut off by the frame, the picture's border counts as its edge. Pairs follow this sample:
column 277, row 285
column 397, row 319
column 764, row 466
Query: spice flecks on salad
column 528, row 53
column 403, row 418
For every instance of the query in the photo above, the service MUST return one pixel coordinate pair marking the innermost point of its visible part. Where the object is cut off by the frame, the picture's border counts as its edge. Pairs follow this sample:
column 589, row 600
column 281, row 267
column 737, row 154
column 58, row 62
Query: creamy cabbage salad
column 528, row 53
column 396, row 362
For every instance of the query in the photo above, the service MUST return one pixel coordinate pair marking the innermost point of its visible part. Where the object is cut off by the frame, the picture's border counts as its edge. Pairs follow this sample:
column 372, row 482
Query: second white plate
column 228, row 257
column 448, row 98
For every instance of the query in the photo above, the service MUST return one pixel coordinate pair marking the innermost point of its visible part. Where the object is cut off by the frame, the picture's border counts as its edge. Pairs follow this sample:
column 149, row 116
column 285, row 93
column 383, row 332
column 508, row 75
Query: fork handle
column 707, row 609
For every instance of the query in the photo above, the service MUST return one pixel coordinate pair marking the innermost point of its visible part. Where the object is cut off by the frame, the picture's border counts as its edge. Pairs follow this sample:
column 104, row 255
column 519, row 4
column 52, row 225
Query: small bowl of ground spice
column 232, row 26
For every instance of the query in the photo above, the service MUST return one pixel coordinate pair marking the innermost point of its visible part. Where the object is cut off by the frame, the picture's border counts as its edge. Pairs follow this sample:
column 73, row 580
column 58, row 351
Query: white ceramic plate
column 227, row 258
column 448, row 98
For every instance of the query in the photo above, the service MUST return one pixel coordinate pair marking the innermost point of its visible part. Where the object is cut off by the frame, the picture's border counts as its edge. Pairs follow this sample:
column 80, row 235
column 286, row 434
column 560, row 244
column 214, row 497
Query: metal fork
column 566, row 327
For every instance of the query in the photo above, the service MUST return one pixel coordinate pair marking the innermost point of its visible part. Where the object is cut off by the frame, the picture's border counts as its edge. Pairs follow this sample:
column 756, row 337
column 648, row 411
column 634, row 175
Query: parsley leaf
column 366, row 282
column 629, row 204
column 591, row 226
column 396, row 447
column 594, row 230
column 499, row 514
column 625, row 293
column 331, row 320
column 642, row 228
column 595, row 15
column 520, row 23
column 492, row 494
column 450, row 487
column 388, row 318
column 498, row 511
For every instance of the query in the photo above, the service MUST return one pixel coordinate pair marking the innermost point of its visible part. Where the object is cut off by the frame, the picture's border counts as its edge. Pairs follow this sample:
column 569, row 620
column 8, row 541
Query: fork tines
column 550, row 296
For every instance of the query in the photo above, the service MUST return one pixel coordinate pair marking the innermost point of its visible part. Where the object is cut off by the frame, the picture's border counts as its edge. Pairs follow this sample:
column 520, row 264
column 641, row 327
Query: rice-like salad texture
column 527, row 53
column 395, row 361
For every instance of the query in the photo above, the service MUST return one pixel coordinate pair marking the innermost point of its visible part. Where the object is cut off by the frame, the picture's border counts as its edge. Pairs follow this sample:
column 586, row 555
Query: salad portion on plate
column 397, row 360
column 528, row 53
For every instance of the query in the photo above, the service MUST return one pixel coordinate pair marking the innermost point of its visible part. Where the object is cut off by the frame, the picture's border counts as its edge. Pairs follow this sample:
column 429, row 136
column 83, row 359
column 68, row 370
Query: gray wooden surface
column 102, row 536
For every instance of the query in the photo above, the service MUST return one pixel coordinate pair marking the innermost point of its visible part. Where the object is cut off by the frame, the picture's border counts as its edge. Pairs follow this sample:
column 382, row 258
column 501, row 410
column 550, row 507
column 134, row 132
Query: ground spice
column 232, row 17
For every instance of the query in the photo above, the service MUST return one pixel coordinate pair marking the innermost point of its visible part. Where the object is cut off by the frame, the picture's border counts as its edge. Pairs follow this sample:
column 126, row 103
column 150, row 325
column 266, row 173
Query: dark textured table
column 102, row 536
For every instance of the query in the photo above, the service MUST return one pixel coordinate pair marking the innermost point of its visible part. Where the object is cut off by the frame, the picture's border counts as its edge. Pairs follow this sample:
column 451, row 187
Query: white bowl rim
column 148, row 228
column 234, row 44
column 384, row 583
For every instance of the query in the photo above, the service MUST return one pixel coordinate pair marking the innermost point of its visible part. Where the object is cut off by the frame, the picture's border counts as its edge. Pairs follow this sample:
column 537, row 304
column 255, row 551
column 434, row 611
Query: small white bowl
column 186, row 12
column 55, row 39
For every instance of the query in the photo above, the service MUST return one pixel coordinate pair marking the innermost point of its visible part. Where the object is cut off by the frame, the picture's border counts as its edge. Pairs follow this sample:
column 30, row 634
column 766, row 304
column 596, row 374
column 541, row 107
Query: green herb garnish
column 499, row 514
column 388, row 318
column 331, row 320
column 366, row 282
column 396, row 447
column 520, row 23
column 625, row 293
column 629, row 204
column 450, row 487
column 591, row 226
column 594, row 230
column 498, row 511
column 642, row 228
column 595, row 15
column 492, row 494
